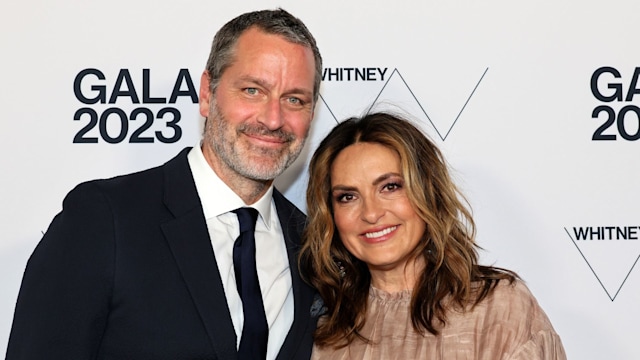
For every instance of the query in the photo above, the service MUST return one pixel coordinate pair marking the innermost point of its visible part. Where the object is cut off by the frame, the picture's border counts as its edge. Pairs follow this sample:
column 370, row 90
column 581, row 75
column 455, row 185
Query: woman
column 390, row 247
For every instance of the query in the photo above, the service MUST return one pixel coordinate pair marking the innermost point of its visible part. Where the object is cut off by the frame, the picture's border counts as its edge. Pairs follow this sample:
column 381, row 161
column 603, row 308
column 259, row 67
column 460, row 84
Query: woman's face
column 372, row 212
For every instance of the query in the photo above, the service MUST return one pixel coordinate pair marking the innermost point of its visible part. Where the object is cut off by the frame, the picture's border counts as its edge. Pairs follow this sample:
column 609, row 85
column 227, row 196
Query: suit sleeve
column 63, row 303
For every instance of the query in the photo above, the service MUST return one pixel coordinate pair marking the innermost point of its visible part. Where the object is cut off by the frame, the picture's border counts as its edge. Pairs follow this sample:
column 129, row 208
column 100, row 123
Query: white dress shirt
column 218, row 201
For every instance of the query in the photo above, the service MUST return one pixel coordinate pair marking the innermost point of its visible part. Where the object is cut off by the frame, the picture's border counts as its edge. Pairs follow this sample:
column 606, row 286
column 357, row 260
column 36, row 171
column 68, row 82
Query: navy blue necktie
column 255, row 332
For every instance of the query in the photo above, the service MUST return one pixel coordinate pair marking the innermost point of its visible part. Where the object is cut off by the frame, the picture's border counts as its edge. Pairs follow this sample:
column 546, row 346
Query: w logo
column 610, row 252
column 397, row 93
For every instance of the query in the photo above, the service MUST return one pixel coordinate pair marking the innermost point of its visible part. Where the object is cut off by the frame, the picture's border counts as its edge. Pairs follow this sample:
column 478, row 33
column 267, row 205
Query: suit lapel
column 292, row 222
column 188, row 238
column 189, row 241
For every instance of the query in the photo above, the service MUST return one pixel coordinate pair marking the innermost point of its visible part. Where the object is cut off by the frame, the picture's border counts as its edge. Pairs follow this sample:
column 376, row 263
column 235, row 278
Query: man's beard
column 222, row 138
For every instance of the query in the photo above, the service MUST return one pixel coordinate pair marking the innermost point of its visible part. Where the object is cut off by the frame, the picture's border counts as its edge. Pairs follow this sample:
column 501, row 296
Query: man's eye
column 251, row 91
column 294, row 101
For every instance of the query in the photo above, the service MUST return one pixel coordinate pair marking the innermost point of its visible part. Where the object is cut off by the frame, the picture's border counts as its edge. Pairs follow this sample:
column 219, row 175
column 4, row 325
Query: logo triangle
column 611, row 253
column 396, row 91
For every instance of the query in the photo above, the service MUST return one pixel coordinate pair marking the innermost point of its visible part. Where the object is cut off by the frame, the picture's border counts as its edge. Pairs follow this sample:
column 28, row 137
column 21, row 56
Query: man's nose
column 271, row 115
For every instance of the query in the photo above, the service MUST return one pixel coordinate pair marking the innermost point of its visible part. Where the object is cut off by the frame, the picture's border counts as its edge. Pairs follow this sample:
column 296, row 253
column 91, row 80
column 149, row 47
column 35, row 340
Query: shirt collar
column 215, row 196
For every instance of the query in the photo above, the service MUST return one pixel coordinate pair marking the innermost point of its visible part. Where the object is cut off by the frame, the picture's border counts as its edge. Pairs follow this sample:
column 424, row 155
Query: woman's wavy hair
column 452, row 278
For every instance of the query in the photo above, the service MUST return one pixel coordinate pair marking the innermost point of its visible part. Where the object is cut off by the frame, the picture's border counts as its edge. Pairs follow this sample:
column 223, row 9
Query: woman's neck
column 400, row 278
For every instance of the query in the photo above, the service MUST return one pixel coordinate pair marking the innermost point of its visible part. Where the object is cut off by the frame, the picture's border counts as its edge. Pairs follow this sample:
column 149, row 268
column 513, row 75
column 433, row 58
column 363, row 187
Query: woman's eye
column 392, row 186
column 344, row 198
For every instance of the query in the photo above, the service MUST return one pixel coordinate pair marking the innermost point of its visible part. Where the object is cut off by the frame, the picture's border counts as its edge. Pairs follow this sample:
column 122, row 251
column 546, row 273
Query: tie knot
column 247, row 217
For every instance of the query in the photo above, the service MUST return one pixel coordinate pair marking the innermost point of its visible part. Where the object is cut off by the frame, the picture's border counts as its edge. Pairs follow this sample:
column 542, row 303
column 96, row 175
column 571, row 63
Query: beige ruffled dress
column 508, row 324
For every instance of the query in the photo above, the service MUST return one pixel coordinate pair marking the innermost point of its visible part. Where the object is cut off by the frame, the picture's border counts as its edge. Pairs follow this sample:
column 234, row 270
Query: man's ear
column 205, row 94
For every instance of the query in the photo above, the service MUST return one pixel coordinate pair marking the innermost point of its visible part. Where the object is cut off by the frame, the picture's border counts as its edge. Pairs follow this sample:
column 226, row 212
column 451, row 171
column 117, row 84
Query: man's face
column 259, row 116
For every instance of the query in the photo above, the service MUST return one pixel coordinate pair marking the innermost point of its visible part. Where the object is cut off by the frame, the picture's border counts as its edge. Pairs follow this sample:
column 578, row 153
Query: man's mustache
column 261, row 130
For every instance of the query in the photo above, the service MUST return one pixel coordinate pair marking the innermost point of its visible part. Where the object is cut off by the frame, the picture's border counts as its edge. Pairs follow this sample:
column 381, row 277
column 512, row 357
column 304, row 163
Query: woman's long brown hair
column 452, row 277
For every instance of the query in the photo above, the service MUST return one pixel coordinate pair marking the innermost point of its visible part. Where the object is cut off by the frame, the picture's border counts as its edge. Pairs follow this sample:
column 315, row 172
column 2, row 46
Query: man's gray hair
column 277, row 22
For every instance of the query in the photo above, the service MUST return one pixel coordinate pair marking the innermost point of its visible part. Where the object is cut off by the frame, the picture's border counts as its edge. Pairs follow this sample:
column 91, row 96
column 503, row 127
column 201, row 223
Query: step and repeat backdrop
column 536, row 105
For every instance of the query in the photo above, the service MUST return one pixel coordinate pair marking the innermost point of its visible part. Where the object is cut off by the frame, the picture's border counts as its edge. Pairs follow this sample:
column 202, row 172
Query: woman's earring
column 341, row 270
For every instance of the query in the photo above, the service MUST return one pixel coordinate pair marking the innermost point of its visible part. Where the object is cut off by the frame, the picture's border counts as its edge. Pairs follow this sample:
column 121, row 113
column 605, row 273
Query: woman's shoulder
column 513, row 311
column 513, row 304
column 513, row 292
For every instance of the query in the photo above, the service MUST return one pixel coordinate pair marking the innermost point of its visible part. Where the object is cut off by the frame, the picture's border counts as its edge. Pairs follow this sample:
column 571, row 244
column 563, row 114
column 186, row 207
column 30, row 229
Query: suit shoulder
column 132, row 183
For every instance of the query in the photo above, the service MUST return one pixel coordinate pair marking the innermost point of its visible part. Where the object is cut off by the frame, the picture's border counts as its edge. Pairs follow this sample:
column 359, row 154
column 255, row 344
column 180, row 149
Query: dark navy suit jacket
column 127, row 271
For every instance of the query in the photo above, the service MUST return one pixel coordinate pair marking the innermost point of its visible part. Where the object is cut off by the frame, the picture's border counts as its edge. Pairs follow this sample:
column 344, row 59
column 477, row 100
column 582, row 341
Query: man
column 142, row 266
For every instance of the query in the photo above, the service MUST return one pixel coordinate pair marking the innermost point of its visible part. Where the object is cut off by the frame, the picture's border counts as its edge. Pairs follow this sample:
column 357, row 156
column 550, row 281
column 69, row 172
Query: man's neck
column 249, row 190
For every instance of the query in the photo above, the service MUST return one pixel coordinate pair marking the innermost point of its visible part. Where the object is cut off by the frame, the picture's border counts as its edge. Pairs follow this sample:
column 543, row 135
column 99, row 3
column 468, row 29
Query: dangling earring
column 341, row 270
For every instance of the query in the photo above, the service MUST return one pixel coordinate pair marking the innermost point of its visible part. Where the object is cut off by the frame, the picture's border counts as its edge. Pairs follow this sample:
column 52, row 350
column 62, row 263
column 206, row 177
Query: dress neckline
column 385, row 296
